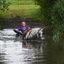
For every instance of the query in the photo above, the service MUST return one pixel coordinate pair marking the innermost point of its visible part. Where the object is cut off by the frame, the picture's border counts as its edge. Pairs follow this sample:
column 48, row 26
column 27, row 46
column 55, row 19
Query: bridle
column 38, row 32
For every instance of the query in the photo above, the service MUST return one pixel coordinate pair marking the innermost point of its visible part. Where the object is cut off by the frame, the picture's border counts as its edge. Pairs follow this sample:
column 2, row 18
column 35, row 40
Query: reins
column 38, row 31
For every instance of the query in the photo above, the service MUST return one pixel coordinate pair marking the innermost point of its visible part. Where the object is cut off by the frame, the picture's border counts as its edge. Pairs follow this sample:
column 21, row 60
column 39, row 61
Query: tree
column 45, row 7
column 3, row 8
column 53, row 12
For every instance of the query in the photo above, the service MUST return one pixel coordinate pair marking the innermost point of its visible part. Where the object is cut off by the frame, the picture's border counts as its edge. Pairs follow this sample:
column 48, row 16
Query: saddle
column 26, row 32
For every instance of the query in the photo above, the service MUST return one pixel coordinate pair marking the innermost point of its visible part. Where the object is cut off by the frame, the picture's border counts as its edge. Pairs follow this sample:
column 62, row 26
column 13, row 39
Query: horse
column 34, row 33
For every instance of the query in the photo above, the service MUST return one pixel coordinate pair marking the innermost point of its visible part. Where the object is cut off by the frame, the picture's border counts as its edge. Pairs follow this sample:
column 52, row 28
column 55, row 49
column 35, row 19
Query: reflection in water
column 18, row 52
column 29, row 52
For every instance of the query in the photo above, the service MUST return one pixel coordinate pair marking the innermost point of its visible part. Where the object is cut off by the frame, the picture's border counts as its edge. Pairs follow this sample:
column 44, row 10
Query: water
column 14, row 51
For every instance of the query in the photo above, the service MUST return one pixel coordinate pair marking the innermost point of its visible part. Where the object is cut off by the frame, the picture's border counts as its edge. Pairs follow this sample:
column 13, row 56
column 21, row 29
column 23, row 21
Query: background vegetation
column 52, row 12
column 3, row 14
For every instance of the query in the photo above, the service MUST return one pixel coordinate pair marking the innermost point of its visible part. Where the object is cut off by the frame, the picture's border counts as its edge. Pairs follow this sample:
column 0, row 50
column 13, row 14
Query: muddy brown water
column 44, row 51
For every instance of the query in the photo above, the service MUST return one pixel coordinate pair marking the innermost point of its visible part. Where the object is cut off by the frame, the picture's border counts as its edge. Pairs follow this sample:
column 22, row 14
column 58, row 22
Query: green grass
column 35, row 14
column 22, row 7
column 27, row 9
column 22, row 11
column 21, row 2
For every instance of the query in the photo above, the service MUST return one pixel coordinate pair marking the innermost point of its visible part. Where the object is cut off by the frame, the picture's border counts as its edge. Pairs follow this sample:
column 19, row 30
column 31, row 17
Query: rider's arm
column 28, row 27
column 19, row 29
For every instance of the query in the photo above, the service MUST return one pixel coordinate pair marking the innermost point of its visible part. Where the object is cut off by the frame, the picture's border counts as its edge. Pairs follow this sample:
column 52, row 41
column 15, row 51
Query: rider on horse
column 23, row 29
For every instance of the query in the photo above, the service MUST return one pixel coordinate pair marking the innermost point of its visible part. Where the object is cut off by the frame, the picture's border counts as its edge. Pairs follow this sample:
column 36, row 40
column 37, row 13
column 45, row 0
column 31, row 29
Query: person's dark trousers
column 4, row 2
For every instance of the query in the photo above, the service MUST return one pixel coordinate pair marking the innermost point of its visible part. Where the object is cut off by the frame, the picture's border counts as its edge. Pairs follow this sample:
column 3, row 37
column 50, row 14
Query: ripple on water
column 7, row 34
column 12, row 52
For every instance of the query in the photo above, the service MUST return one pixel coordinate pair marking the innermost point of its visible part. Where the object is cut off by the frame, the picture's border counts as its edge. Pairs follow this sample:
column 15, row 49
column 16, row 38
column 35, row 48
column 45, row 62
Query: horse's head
column 39, row 33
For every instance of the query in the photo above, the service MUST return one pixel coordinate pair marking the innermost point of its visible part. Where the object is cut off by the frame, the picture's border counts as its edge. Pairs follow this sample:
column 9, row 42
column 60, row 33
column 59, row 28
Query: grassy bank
column 22, row 11
column 20, row 2
column 28, row 9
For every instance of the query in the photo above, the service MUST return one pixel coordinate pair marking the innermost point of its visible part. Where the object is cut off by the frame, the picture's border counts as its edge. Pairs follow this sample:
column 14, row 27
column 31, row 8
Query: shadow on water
column 30, row 52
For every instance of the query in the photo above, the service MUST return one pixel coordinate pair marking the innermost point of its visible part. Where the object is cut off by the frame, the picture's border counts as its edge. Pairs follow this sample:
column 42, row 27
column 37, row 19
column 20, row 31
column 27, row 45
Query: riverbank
column 27, row 11
column 16, row 22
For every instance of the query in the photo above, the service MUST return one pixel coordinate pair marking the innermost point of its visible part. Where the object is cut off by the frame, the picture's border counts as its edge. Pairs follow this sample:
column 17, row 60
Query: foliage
column 58, row 18
column 58, row 12
column 3, row 14
column 45, row 7
column 4, row 7
column 53, row 14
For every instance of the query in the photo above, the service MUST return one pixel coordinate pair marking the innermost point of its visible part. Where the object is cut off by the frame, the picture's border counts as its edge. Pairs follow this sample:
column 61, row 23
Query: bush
column 45, row 7
column 3, row 14
column 58, row 12
column 53, row 14
column 58, row 18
